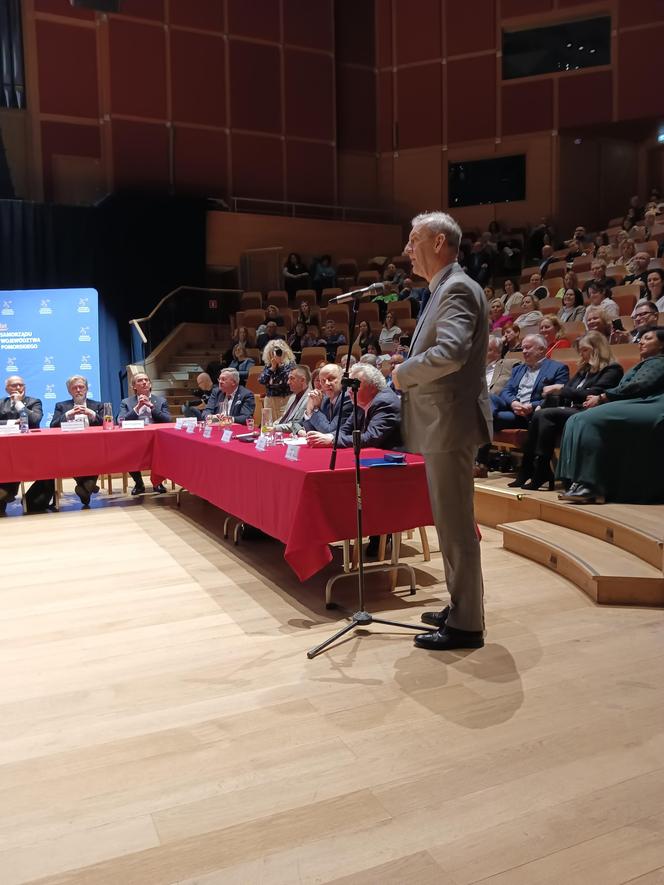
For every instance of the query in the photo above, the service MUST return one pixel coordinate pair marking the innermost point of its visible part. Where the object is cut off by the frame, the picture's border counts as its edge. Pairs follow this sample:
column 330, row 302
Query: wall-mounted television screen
column 482, row 182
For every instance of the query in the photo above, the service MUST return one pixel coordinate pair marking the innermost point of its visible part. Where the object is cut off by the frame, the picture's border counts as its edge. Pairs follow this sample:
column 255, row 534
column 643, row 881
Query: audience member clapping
column 278, row 360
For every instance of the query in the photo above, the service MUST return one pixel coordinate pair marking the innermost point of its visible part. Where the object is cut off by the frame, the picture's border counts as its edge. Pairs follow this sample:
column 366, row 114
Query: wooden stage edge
column 613, row 552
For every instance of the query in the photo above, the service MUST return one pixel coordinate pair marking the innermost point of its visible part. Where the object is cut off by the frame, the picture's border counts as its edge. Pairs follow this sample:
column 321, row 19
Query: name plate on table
column 227, row 436
column 133, row 425
column 261, row 443
column 185, row 422
column 292, row 453
column 207, row 433
column 9, row 429
column 72, row 426
column 190, row 428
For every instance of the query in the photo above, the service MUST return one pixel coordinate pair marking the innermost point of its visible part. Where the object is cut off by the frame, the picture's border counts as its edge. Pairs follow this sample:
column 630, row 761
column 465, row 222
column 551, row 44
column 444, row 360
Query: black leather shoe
column 83, row 494
column 160, row 489
column 138, row 490
column 436, row 619
column 449, row 639
column 3, row 508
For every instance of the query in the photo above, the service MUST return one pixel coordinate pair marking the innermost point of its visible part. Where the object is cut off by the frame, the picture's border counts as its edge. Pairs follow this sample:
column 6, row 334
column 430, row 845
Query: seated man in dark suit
column 378, row 414
column 523, row 392
column 152, row 409
column 10, row 410
column 71, row 409
column 378, row 417
column 322, row 410
column 241, row 402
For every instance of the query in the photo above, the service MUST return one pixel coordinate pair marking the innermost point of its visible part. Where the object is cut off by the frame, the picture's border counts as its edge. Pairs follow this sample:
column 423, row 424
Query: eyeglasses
column 643, row 314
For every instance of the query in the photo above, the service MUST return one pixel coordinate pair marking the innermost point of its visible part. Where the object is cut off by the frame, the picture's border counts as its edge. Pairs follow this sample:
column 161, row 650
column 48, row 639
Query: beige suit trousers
column 451, row 489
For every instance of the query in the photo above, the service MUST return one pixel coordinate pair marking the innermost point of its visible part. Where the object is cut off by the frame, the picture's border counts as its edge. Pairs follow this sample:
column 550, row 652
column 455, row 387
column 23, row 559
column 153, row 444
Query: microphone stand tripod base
column 359, row 620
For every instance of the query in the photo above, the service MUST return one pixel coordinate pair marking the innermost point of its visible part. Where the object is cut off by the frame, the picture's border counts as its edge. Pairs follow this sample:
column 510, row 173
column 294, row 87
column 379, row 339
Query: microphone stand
column 361, row 618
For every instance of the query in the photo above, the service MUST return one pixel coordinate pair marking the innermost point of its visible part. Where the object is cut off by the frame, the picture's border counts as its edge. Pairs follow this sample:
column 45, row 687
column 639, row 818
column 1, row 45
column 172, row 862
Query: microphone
column 373, row 289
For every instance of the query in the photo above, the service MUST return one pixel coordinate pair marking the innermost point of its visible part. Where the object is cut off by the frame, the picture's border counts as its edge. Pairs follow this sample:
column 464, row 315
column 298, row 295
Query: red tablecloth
column 52, row 454
column 302, row 503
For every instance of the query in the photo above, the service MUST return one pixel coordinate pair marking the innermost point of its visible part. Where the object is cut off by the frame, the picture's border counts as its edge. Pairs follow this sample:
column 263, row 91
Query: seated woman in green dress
column 621, row 430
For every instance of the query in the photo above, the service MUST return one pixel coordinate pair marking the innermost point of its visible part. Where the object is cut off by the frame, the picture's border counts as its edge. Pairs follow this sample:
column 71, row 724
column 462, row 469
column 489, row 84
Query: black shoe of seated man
column 84, row 494
column 160, row 489
column 448, row 639
column 436, row 619
column 138, row 490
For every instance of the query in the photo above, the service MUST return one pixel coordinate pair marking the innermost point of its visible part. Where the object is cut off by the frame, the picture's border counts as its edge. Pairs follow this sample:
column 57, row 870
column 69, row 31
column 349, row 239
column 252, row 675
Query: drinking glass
column 250, row 425
column 108, row 416
column 267, row 424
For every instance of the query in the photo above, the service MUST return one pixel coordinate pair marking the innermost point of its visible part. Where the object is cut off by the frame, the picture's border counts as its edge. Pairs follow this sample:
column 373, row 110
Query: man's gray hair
column 235, row 375
column 370, row 374
column 496, row 339
column 369, row 359
column 383, row 358
column 73, row 378
column 440, row 223
column 538, row 339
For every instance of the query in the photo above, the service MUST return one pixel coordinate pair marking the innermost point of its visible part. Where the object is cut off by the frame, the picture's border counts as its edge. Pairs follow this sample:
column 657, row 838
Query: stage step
column 608, row 574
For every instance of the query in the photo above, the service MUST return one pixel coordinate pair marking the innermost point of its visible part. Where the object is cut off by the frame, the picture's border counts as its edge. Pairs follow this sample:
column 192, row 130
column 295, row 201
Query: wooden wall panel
column 64, row 8
column 418, row 30
column 137, row 69
column 419, row 106
column 310, row 25
column 357, row 179
column 198, row 76
column 470, row 27
column 200, row 161
column 585, row 100
column 231, row 233
column 527, row 106
column 150, row 9
column 254, row 18
column 310, row 172
column 471, row 98
column 141, row 155
column 66, row 139
column 640, row 92
column 258, row 166
column 309, row 88
column 205, row 14
column 256, row 86
column 417, row 181
column 356, row 108
column 354, row 32
column 69, row 88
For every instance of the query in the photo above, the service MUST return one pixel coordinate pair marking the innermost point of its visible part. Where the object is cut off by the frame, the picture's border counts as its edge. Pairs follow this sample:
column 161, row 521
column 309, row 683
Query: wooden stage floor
column 160, row 722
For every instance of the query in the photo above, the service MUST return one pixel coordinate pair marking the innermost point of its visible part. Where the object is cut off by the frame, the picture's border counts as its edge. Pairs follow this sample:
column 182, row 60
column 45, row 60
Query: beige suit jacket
column 445, row 404
column 501, row 375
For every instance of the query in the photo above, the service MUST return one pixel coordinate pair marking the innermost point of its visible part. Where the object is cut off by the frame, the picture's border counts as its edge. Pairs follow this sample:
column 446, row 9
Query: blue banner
column 47, row 335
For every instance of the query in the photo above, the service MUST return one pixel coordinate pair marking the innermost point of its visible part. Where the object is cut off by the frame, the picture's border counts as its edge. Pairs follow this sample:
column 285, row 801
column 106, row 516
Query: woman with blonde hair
column 596, row 372
column 598, row 320
column 279, row 360
column 532, row 315
column 570, row 281
column 551, row 329
column 497, row 316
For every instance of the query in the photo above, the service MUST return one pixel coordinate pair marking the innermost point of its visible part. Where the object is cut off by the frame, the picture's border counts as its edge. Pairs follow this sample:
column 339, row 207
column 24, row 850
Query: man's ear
column 439, row 242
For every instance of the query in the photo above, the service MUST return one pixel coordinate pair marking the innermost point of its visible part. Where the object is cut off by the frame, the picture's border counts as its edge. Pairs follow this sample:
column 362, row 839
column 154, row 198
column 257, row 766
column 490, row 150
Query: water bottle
column 23, row 423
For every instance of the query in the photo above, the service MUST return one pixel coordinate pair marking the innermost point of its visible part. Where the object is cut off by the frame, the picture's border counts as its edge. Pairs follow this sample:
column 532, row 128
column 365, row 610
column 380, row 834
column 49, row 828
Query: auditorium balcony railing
column 310, row 210
column 186, row 304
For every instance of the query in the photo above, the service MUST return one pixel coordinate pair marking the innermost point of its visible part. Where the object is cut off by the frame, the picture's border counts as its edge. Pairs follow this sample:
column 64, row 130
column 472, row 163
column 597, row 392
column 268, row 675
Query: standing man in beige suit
column 446, row 416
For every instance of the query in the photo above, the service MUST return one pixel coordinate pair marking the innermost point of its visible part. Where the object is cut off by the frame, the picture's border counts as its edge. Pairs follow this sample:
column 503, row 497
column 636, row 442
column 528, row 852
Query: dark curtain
column 133, row 249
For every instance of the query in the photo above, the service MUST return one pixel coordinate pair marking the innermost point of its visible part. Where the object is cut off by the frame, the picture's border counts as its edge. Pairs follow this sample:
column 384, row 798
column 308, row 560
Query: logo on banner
column 49, row 365
column 45, row 306
column 84, row 334
column 83, row 306
column 12, row 365
column 7, row 309
column 49, row 393
column 49, row 418
column 86, row 365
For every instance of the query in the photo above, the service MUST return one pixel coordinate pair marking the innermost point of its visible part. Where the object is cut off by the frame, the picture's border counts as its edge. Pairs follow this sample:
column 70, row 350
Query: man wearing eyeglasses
column 645, row 318
column 10, row 409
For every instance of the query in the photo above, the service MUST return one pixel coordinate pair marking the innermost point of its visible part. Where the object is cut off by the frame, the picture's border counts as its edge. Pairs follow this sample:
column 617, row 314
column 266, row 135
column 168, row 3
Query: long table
column 301, row 503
